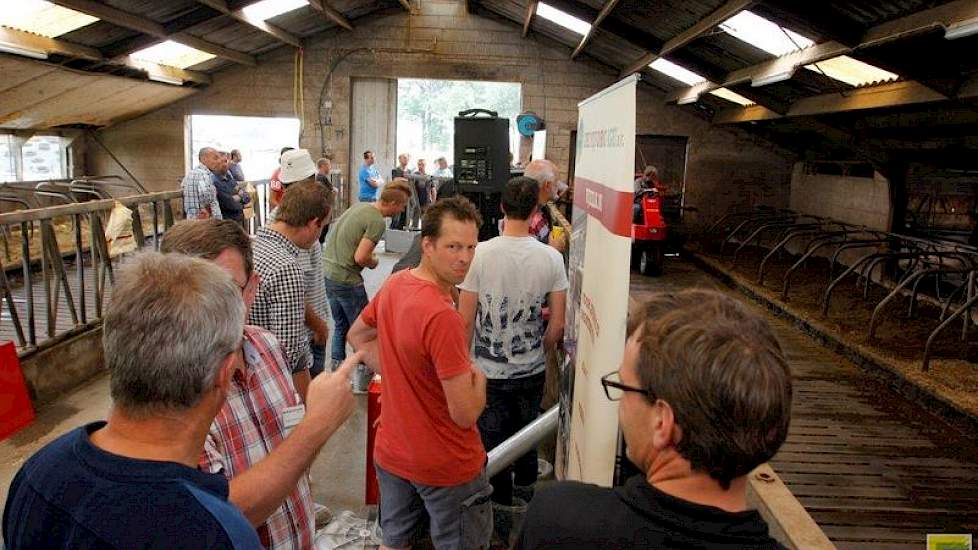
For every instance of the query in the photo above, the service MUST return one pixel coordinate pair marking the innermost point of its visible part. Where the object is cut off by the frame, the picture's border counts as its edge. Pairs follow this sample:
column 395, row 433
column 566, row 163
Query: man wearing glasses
column 704, row 395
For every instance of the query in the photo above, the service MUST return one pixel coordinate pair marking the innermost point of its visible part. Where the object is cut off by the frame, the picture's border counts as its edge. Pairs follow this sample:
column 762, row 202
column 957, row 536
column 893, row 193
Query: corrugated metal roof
column 98, row 34
column 158, row 11
column 874, row 12
column 43, row 18
column 664, row 19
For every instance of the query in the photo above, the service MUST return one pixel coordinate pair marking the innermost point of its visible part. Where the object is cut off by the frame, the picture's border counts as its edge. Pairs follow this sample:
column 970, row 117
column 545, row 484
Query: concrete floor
column 337, row 474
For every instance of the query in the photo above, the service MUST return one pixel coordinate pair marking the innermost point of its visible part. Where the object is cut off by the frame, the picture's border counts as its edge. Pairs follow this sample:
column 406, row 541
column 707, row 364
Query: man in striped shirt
column 260, row 439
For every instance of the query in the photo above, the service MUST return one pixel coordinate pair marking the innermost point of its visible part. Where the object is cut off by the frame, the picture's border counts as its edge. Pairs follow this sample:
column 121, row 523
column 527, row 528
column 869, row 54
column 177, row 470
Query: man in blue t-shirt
column 369, row 178
column 172, row 344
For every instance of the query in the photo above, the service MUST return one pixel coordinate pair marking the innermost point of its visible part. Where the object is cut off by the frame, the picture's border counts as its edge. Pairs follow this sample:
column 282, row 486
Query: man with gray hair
column 546, row 173
column 199, row 193
column 172, row 344
column 259, row 441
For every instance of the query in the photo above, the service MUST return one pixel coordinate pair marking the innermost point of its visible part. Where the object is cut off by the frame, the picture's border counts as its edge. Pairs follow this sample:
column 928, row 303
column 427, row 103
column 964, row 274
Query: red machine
column 649, row 232
column 656, row 226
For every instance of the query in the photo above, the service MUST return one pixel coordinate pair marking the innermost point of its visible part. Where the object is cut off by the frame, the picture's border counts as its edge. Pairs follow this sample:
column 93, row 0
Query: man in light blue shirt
column 369, row 179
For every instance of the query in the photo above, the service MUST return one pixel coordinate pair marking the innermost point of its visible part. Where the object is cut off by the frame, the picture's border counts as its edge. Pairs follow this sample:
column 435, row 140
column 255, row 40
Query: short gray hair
column 204, row 151
column 541, row 170
column 171, row 321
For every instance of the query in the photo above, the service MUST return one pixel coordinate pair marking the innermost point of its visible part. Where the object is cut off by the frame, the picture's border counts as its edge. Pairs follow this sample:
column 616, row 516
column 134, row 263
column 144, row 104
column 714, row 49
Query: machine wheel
column 650, row 261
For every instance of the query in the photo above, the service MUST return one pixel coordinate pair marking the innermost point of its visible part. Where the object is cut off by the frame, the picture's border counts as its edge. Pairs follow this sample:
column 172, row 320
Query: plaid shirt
column 250, row 425
column 199, row 193
column 280, row 304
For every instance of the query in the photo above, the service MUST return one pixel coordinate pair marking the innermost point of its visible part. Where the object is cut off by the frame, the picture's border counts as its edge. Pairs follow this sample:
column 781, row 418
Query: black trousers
column 511, row 405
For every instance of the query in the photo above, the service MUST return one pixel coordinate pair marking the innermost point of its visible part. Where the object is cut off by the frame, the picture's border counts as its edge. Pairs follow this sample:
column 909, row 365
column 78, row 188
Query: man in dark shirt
column 704, row 397
column 230, row 198
column 172, row 343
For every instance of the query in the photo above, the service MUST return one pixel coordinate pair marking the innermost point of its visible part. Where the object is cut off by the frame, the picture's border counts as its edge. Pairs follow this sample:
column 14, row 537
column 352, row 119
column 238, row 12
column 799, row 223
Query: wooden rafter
column 875, row 97
column 605, row 11
column 33, row 42
column 241, row 15
column 331, row 13
column 942, row 16
column 135, row 22
column 531, row 10
column 698, row 29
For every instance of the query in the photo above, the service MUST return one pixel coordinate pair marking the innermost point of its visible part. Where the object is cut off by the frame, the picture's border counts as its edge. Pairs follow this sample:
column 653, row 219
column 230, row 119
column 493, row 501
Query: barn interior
column 825, row 153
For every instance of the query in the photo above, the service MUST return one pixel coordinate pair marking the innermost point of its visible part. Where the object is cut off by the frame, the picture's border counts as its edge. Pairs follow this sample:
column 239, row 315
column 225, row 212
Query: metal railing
column 64, row 252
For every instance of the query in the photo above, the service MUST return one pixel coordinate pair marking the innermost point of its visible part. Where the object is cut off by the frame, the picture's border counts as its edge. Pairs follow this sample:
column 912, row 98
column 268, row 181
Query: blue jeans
column 318, row 359
column 511, row 404
column 345, row 304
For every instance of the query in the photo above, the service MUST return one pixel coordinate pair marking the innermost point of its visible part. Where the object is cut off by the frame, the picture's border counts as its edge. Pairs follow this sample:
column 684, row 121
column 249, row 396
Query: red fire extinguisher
column 372, row 490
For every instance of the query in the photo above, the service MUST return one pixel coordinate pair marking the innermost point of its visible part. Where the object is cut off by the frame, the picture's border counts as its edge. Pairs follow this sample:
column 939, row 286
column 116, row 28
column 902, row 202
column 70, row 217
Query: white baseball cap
column 297, row 165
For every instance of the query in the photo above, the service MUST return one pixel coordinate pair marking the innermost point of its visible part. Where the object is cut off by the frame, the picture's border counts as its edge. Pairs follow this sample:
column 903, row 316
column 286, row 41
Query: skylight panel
column 267, row 9
column 43, row 18
column 676, row 72
column 172, row 54
column 731, row 95
column 852, row 71
column 563, row 19
column 763, row 34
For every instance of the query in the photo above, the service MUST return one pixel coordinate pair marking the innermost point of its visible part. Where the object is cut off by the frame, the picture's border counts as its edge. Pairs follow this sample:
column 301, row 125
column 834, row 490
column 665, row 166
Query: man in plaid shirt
column 280, row 303
column 260, row 440
column 199, row 193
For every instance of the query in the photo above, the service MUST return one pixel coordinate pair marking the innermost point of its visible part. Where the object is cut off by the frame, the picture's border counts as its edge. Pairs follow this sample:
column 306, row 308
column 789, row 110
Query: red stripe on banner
column 612, row 208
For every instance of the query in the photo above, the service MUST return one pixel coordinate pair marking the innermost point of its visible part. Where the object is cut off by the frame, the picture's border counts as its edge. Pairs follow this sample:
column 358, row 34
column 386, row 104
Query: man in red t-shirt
column 428, row 453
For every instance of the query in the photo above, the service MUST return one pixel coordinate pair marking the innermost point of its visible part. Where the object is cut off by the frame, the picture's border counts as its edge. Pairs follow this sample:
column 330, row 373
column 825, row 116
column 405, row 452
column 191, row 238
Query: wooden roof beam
column 942, row 16
column 531, row 10
column 701, row 27
column 242, row 16
column 893, row 94
column 605, row 12
column 144, row 25
column 48, row 46
column 334, row 15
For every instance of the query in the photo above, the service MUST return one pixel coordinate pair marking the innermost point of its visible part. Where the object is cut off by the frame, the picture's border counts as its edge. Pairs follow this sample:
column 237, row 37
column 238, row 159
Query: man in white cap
column 290, row 274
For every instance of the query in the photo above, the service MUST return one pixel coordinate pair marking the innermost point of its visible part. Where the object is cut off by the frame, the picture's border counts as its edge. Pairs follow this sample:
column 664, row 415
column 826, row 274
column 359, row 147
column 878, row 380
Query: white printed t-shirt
column 512, row 277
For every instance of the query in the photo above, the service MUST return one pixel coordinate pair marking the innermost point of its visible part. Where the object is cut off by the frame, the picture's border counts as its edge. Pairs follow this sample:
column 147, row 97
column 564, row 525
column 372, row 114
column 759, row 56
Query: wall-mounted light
column 772, row 78
column 686, row 100
column 166, row 79
column 961, row 29
column 20, row 50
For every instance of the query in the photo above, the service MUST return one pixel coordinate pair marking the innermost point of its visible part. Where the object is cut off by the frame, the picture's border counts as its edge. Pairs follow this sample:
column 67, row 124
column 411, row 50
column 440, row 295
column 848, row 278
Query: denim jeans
column 345, row 304
column 511, row 405
column 318, row 359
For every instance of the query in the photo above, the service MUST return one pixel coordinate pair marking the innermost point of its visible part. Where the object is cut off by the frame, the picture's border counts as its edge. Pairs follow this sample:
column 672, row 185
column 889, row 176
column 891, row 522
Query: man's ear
column 665, row 432
column 226, row 372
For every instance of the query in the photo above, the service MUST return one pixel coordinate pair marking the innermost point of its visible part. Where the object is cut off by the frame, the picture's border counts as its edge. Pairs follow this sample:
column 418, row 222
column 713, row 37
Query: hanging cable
column 298, row 101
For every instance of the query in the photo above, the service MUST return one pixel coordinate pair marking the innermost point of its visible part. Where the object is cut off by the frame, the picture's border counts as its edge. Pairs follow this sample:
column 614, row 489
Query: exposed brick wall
column 860, row 201
column 726, row 168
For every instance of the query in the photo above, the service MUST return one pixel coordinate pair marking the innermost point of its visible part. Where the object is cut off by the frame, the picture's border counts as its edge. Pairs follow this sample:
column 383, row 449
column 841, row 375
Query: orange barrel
column 15, row 403
column 372, row 490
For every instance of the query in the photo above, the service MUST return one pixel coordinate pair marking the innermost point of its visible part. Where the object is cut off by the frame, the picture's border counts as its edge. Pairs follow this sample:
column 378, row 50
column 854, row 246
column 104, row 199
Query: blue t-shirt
column 368, row 193
column 71, row 494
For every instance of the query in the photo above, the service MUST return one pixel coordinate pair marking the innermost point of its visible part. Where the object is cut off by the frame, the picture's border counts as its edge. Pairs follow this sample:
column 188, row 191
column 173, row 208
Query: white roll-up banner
column 599, row 278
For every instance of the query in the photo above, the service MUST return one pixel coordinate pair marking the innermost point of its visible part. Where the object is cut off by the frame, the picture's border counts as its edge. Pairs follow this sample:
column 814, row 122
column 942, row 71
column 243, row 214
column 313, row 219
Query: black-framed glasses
column 614, row 389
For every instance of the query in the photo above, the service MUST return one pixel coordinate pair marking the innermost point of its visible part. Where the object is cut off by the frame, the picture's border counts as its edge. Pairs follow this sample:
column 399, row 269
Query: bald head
column 545, row 172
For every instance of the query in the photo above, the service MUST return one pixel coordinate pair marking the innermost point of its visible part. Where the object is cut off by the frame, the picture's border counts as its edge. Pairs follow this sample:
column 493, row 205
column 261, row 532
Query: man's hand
column 329, row 400
column 559, row 241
